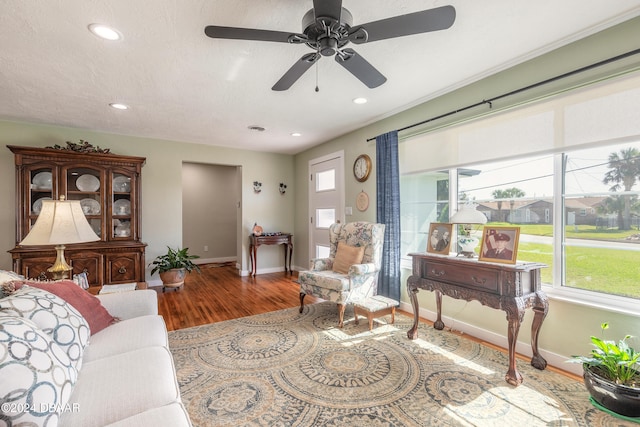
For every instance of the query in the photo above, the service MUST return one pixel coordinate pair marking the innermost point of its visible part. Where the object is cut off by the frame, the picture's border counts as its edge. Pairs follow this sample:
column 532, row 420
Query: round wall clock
column 362, row 167
column 362, row 201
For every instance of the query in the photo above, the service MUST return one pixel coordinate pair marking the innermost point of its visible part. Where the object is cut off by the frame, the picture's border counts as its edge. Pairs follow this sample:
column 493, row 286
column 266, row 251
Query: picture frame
column 499, row 244
column 81, row 280
column 439, row 238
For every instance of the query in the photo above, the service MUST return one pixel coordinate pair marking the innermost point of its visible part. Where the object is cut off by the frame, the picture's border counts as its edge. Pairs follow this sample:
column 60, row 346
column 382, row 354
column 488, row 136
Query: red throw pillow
column 88, row 305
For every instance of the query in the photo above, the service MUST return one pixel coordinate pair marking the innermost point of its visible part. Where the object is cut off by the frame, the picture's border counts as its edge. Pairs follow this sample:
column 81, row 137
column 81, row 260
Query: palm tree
column 509, row 193
column 624, row 169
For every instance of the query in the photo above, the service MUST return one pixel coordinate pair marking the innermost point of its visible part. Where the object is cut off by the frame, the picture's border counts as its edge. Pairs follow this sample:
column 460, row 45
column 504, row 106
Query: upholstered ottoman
column 375, row 306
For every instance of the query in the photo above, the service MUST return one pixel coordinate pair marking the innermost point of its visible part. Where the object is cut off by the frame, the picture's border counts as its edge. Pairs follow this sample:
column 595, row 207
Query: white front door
column 326, row 200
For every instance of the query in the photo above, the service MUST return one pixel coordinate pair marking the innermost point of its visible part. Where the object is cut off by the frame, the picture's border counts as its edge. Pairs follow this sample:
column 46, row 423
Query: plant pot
column 173, row 278
column 621, row 399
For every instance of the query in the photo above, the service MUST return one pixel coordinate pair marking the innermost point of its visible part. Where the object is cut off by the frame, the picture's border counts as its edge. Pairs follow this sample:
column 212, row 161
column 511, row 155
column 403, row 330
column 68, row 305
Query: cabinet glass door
column 86, row 184
column 41, row 180
column 121, row 206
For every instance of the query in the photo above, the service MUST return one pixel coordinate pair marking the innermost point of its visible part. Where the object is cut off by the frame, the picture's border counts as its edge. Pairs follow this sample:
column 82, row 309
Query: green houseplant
column 174, row 266
column 611, row 374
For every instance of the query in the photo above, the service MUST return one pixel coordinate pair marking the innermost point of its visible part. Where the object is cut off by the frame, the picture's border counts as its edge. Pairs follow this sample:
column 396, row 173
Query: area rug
column 289, row 369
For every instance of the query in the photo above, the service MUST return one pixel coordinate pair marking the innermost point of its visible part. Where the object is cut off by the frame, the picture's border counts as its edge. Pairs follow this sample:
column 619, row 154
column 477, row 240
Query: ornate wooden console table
column 509, row 287
column 271, row 239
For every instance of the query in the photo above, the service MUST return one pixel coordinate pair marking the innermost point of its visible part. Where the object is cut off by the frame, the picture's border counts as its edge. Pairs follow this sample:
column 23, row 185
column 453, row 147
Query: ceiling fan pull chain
column 317, row 88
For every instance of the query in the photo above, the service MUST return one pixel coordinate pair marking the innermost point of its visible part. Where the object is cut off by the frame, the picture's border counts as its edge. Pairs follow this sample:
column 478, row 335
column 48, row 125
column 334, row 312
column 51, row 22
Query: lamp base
column 468, row 245
column 60, row 269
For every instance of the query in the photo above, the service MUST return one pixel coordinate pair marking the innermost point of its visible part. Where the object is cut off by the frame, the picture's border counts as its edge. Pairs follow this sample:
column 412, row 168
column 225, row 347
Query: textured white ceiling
column 182, row 85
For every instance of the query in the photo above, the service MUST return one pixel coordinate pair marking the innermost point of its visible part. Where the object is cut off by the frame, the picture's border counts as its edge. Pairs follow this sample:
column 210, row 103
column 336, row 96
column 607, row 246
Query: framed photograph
column 439, row 239
column 81, row 280
column 499, row 244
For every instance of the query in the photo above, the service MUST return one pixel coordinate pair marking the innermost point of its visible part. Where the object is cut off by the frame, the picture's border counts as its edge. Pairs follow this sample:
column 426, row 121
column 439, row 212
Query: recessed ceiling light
column 119, row 106
column 296, row 134
column 360, row 100
column 105, row 32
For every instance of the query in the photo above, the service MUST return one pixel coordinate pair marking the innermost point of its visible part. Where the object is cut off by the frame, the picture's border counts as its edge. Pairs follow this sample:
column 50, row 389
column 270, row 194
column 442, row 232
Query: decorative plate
column 42, row 181
column 37, row 205
column 122, row 207
column 124, row 229
column 121, row 184
column 362, row 201
column 90, row 206
column 87, row 182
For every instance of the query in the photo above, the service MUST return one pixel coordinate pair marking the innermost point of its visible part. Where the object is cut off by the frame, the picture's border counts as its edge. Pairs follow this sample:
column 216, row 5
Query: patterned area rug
column 289, row 369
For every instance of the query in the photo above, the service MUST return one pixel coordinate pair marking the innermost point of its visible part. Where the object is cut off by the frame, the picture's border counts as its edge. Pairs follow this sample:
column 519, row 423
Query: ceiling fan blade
column 425, row 21
column 296, row 71
column 327, row 9
column 217, row 32
column 360, row 67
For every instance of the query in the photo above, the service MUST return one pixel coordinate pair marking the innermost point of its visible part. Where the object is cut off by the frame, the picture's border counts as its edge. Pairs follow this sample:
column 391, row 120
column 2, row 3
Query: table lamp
column 466, row 216
column 60, row 222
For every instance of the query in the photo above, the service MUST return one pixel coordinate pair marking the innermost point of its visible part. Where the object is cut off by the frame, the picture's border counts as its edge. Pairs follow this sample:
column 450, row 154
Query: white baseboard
column 553, row 359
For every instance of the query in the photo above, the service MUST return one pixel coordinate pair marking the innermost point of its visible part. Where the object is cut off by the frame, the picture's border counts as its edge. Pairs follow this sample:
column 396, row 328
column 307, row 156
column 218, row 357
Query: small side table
column 274, row 239
column 375, row 306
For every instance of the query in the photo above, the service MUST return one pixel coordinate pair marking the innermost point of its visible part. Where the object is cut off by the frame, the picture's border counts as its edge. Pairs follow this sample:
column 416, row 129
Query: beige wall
column 568, row 325
column 210, row 211
column 162, row 186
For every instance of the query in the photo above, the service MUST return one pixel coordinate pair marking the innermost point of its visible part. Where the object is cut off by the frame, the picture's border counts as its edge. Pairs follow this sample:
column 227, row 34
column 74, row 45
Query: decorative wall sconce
column 283, row 188
column 257, row 186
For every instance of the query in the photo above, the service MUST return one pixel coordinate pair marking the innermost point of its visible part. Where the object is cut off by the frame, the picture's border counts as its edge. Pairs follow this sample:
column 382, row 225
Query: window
column 566, row 170
column 601, row 249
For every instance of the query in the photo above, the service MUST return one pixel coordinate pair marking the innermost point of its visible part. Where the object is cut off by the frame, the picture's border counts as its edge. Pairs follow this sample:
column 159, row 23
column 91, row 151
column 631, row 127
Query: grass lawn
column 613, row 271
column 605, row 270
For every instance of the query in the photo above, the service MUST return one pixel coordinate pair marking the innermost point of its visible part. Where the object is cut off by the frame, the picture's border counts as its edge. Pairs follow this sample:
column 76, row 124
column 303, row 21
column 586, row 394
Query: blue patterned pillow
column 54, row 316
column 36, row 376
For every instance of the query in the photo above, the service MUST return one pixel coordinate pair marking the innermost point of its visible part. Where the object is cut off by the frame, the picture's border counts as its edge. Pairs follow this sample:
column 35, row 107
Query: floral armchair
column 360, row 280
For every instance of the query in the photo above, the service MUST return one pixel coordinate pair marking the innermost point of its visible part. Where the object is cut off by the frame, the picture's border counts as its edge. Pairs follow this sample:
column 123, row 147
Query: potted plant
column 611, row 375
column 174, row 266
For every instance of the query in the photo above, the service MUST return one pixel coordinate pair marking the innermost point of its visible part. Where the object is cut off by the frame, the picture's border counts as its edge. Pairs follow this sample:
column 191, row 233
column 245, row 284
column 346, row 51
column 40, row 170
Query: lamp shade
column 468, row 214
column 60, row 222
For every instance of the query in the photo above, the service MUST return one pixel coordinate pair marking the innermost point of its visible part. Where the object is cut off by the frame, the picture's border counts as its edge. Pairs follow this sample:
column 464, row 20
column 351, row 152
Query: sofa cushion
column 36, row 376
column 88, row 305
column 64, row 324
column 117, row 387
column 127, row 335
column 172, row 415
column 346, row 256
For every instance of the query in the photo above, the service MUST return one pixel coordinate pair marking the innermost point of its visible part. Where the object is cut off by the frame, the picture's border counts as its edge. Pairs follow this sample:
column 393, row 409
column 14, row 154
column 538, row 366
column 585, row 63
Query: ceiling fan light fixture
column 105, row 32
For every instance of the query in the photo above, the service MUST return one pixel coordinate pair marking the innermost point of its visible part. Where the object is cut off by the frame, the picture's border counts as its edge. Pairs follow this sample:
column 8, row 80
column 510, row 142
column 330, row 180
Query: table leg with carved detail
column 412, row 290
column 540, row 309
column 515, row 314
column 438, row 324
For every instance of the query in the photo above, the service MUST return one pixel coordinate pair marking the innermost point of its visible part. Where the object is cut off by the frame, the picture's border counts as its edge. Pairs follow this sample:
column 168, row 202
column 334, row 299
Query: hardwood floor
column 219, row 293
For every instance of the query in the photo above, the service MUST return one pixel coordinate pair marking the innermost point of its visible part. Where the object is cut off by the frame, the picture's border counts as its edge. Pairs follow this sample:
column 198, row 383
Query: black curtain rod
column 522, row 89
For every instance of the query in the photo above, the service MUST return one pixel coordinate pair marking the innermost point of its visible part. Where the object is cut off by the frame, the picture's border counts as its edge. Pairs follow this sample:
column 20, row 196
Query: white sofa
column 125, row 376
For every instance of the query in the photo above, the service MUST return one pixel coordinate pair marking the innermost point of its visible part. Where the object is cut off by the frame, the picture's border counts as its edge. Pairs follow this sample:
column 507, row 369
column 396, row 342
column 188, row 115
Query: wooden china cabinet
column 108, row 187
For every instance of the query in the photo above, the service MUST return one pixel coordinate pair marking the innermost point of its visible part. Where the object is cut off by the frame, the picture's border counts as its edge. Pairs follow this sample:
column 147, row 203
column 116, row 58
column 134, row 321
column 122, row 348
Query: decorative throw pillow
column 53, row 315
column 6, row 277
column 88, row 305
column 36, row 376
column 346, row 256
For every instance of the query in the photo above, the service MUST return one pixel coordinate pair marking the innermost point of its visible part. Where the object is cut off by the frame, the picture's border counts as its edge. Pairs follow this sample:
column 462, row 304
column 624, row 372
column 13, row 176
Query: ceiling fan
column 327, row 29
